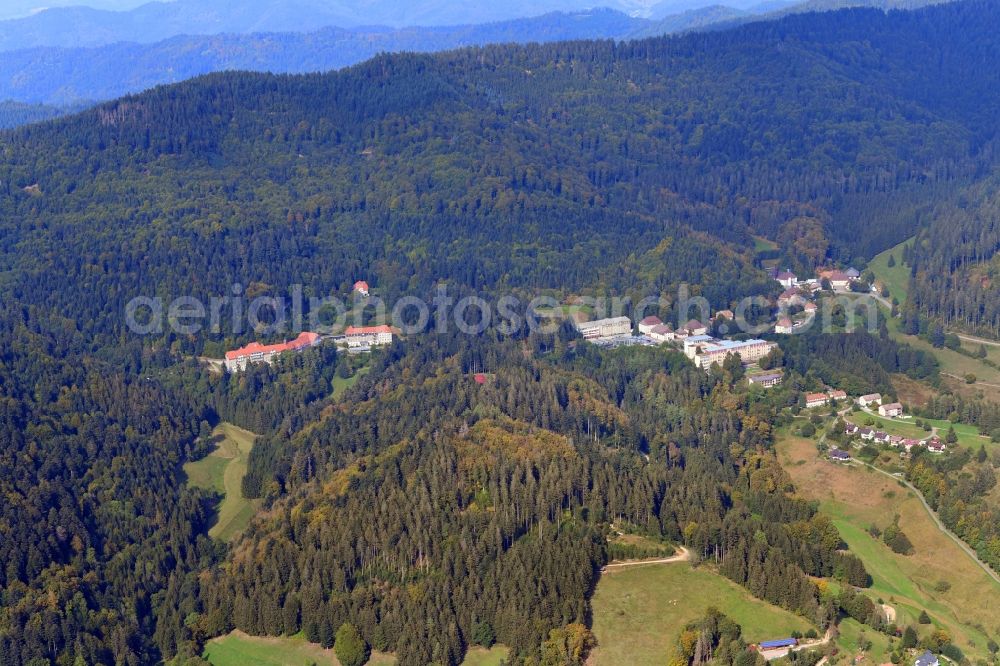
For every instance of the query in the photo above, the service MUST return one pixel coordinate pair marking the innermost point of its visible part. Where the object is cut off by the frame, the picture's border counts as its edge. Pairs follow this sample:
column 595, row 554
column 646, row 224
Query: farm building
column 780, row 644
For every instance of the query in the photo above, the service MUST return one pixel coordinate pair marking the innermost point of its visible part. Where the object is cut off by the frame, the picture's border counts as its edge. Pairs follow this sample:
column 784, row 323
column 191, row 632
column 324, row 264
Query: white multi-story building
column 705, row 351
column 367, row 336
column 604, row 328
column 255, row 352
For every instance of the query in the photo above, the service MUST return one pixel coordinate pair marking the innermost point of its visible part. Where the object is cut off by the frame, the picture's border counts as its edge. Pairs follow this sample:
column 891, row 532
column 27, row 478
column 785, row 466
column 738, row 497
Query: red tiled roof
column 651, row 320
column 360, row 285
column 366, row 330
column 813, row 397
column 305, row 339
column 480, row 378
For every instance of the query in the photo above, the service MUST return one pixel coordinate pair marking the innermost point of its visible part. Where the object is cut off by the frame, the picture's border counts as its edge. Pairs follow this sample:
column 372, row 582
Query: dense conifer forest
column 420, row 507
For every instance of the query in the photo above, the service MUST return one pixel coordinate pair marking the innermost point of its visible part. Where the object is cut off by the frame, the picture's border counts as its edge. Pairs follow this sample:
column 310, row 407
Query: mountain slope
column 422, row 505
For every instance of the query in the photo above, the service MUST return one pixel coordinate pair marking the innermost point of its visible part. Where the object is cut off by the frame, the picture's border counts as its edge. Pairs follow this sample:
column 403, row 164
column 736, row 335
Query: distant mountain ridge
column 61, row 76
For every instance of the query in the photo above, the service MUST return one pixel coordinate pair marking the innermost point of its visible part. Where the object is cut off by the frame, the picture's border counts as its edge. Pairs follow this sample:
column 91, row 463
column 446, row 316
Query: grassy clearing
column 341, row 384
column 478, row 656
column 639, row 611
column 239, row 649
column 855, row 498
column 222, row 470
column 852, row 633
column 897, row 278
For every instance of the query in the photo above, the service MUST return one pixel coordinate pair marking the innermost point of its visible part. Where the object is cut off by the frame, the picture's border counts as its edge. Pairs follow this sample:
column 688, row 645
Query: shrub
column 350, row 648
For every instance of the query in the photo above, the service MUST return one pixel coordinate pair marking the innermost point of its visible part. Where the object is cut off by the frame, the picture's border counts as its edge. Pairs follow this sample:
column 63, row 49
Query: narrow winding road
column 683, row 556
column 937, row 521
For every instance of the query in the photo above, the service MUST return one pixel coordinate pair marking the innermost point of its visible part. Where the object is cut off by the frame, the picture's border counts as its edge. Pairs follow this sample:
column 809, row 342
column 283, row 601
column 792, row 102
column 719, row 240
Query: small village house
column 927, row 659
column 837, row 395
column 787, row 279
column 870, row 399
column 361, row 288
column 892, row 409
column 695, row 327
column 662, row 333
column 647, row 325
column 784, row 326
column 838, row 455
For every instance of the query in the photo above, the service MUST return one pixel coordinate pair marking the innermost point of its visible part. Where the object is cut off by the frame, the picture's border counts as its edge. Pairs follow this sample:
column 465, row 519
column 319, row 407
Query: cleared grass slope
column 856, row 497
column 222, row 470
column 639, row 611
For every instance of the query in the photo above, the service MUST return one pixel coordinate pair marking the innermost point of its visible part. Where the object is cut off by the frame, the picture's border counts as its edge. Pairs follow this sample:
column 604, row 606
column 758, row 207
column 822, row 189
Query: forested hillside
column 423, row 505
column 955, row 261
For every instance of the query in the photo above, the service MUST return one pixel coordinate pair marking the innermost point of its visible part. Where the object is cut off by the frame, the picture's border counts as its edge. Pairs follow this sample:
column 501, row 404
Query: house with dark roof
column 838, row 455
column 779, row 644
column 892, row 409
column 927, row 659
column 695, row 327
column 647, row 324
column 767, row 380
column 787, row 279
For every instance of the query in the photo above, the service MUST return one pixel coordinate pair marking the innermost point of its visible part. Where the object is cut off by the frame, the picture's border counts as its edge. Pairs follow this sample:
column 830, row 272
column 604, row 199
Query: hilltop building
column 255, row 352
column 360, row 337
column 361, row 288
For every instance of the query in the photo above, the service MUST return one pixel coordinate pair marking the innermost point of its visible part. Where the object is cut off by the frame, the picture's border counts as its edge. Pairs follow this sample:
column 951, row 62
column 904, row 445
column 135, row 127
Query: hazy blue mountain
column 20, row 8
column 61, row 76
column 155, row 21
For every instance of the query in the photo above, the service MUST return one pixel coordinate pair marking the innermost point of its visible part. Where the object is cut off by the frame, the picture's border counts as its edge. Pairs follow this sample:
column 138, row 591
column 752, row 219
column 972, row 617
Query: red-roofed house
column 361, row 287
column 695, row 327
column 237, row 359
column 816, row 399
column 784, row 326
column 787, row 279
column 839, row 280
column 368, row 336
column 837, row 395
column 647, row 325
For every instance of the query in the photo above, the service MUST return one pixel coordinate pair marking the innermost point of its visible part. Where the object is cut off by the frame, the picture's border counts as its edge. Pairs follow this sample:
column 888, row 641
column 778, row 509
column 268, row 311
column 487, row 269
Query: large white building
column 705, row 351
column 255, row 352
column 604, row 328
column 367, row 336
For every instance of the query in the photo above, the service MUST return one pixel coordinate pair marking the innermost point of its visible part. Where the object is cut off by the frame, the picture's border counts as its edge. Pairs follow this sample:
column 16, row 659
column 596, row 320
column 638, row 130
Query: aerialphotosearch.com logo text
column 269, row 315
